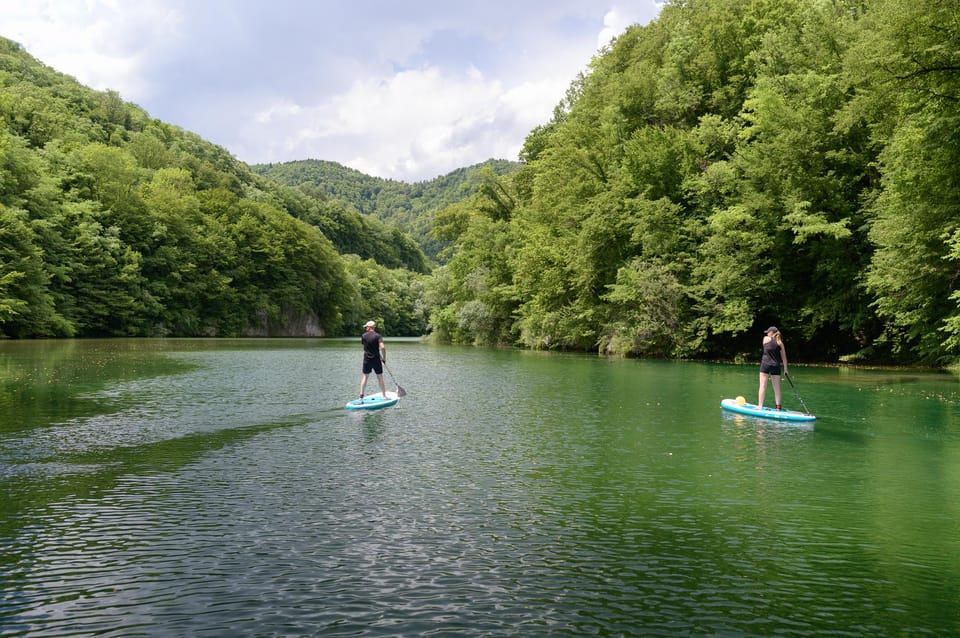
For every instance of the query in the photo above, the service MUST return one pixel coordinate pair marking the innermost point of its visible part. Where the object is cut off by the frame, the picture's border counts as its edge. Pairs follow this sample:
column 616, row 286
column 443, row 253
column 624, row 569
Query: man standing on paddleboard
column 774, row 353
column 374, row 356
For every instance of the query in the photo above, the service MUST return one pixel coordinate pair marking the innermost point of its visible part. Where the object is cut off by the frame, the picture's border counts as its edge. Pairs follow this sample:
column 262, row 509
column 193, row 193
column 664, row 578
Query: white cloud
column 277, row 111
column 103, row 43
column 416, row 122
column 614, row 23
column 407, row 92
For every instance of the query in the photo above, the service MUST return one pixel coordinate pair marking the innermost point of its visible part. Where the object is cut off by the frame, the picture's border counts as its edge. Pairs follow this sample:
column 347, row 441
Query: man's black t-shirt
column 371, row 345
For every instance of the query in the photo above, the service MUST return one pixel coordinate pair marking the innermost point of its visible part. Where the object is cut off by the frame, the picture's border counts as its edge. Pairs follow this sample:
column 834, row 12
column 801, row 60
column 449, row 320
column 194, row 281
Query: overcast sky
column 404, row 90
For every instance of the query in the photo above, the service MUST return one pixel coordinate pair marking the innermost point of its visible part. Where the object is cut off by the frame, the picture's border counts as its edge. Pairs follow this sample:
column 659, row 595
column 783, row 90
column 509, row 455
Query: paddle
column 400, row 391
column 797, row 394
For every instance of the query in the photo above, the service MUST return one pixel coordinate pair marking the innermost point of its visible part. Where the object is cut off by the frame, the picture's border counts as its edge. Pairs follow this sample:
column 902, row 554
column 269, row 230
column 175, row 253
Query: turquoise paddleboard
column 765, row 412
column 374, row 401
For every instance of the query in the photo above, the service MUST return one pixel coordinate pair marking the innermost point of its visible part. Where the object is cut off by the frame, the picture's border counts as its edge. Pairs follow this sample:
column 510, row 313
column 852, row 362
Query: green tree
column 907, row 69
column 105, row 280
column 26, row 304
column 472, row 296
column 394, row 298
column 119, row 224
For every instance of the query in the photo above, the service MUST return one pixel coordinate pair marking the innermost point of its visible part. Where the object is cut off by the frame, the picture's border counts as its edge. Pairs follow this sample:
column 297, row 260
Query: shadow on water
column 84, row 475
column 41, row 380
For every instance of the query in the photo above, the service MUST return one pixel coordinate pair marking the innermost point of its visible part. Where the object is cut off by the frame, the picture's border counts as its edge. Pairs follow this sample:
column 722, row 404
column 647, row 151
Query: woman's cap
column 772, row 329
column 370, row 324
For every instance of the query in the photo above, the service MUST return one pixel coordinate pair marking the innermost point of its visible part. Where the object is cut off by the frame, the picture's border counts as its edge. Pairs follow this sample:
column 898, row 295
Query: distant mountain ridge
column 407, row 206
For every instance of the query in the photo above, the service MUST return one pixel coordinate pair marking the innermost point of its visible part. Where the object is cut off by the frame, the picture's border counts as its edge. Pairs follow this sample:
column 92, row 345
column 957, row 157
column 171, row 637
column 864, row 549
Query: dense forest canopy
column 407, row 206
column 113, row 224
column 731, row 165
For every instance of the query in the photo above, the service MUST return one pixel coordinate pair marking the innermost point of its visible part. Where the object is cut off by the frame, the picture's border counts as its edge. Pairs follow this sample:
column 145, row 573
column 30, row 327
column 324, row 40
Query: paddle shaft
column 400, row 391
column 797, row 394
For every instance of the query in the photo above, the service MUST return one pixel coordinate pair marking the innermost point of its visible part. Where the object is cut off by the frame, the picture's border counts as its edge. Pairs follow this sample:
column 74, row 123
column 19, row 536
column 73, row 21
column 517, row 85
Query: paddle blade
column 400, row 391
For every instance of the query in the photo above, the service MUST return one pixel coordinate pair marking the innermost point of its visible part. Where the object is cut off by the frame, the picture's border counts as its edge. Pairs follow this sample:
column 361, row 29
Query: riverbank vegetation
column 113, row 223
column 731, row 165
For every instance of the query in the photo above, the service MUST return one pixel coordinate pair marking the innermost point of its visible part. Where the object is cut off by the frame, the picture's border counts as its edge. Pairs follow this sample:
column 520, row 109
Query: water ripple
column 233, row 499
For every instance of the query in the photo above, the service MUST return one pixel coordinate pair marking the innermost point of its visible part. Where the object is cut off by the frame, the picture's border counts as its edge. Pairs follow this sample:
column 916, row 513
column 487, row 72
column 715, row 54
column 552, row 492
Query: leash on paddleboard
column 795, row 393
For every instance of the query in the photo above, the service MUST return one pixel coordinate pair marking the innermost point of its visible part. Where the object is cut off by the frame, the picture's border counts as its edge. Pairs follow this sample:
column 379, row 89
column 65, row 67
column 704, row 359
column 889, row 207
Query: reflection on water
column 186, row 487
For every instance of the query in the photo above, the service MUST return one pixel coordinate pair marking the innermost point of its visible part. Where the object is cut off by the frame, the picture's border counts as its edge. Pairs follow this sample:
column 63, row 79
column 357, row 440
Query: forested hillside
column 114, row 223
column 733, row 164
column 407, row 206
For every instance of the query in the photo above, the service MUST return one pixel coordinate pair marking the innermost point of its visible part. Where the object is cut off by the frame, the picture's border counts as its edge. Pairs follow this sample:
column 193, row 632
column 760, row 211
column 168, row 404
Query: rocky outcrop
column 291, row 324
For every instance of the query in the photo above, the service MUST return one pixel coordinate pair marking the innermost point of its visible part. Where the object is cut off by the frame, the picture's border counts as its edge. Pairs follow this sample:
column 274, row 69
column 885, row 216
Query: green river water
column 219, row 488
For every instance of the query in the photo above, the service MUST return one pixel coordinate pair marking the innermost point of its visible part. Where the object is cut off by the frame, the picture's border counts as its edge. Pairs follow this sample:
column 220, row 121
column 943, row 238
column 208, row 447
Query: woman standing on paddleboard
column 773, row 353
